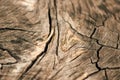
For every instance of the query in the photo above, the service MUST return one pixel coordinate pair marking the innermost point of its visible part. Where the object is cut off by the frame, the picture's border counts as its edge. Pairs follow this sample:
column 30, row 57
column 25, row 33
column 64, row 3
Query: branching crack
column 42, row 54
column 91, row 37
column 96, row 63
column 37, row 57
column 103, row 44
column 75, row 29
column 103, row 22
column 100, row 70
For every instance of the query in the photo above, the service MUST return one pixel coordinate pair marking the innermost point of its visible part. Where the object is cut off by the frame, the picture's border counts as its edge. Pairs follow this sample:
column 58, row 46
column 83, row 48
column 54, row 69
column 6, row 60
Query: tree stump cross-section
column 59, row 40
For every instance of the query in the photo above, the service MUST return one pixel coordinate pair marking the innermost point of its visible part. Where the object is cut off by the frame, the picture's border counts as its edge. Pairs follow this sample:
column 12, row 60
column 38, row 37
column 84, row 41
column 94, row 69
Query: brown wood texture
column 59, row 39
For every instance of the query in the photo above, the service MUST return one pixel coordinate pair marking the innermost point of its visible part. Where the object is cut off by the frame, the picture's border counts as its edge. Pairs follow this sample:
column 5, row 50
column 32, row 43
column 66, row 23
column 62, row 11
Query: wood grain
column 59, row 40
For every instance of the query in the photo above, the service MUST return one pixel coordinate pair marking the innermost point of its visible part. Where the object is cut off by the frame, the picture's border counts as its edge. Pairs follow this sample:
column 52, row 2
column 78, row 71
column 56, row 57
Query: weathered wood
column 59, row 40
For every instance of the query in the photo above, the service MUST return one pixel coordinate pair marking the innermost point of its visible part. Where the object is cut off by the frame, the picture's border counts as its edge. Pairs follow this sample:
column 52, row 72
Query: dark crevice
column 106, row 75
column 93, row 33
column 42, row 54
column 98, row 58
column 50, row 20
column 96, row 63
column 98, row 52
column 58, row 34
column 97, row 66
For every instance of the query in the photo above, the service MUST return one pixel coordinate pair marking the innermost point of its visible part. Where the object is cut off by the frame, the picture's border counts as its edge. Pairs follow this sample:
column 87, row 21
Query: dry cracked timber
column 59, row 40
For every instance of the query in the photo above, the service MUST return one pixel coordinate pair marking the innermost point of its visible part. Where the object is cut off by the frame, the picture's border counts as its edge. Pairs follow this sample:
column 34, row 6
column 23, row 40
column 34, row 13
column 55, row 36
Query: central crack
column 42, row 54
column 96, row 63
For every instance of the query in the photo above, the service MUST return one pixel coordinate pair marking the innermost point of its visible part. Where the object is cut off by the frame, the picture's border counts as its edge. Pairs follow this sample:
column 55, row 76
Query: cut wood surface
column 59, row 39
